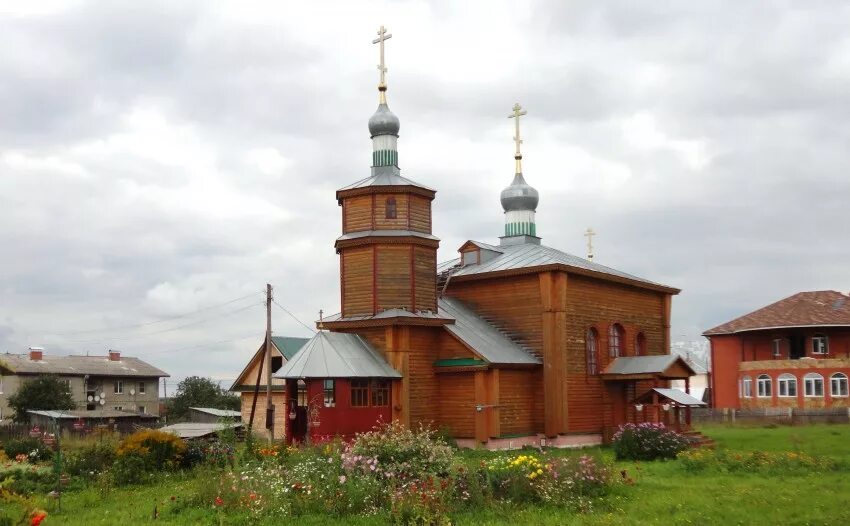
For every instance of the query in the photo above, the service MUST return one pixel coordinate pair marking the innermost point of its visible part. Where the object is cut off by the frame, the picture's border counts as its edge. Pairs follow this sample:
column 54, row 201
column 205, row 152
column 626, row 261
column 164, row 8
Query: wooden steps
column 697, row 439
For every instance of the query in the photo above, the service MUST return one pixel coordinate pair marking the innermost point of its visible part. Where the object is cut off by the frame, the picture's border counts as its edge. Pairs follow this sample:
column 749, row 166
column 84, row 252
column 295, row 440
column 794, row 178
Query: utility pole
column 269, row 405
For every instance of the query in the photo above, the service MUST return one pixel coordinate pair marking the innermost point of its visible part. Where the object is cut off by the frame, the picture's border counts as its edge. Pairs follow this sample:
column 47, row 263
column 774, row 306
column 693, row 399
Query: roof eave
column 717, row 332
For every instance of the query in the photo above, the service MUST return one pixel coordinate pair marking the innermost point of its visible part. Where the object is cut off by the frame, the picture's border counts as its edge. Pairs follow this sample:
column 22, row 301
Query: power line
column 139, row 325
column 293, row 316
column 195, row 346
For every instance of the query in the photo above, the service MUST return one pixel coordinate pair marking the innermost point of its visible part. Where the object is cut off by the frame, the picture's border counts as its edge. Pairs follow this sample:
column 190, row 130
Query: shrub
column 698, row 460
column 33, row 448
column 90, row 460
column 157, row 449
column 215, row 453
column 647, row 441
column 394, row 451
column 128, row 469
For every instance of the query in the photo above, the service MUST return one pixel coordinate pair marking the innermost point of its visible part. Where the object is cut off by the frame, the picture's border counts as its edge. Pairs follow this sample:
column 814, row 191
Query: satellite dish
column 102, row 396
column 91, row 398
column 132, row 392
column 102, row 401
column 96, row 398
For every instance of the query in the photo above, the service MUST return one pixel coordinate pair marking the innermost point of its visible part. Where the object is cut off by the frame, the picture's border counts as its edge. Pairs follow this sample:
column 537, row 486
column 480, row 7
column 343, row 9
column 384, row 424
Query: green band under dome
column 385, row 158
column 520, row 229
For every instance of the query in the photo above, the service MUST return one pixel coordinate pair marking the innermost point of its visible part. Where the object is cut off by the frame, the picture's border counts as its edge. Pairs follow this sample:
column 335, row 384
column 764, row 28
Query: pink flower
column 342, row 479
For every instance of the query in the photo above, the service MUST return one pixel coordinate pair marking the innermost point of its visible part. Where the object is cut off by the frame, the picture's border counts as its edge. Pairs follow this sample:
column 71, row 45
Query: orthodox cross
column 321, row 320
column 517, row 113
column 382, row 36
column 589, row 235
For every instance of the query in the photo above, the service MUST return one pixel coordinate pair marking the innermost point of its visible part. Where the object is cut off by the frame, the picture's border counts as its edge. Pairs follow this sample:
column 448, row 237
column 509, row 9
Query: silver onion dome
column 519, row 196
column 383, row 122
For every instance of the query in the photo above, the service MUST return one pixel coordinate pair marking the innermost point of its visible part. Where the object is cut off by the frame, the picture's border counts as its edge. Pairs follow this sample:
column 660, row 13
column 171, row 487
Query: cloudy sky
column 161, row 161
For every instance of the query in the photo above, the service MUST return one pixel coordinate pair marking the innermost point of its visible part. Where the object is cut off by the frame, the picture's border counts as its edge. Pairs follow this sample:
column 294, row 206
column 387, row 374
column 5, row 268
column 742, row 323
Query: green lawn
column 663, row 493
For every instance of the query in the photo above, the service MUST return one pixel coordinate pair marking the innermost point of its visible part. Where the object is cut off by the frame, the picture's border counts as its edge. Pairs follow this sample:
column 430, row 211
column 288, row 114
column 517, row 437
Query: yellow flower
column 539, row 471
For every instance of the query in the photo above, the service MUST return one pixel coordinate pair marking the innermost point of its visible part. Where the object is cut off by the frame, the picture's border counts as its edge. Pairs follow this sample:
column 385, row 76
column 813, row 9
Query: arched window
column 813, row 385
column 764, row 386
column 391, row 212
column 820, row 344
column 590, row 345
column 615, row 340
column 747, row 387
column 787, row 385
column 640, row 344
column 838, row 384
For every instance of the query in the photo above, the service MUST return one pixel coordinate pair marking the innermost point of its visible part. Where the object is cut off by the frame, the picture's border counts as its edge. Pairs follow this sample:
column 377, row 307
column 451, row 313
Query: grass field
column 663, row 493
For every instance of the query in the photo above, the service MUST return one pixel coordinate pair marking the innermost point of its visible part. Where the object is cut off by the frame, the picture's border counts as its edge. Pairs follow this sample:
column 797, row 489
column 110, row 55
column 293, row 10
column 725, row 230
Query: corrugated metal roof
column 641, row 364
column 386, row 233
column 389, row 313
column 680, row 397
column 384, row 178
column 529, row 255
column 197, row 430
column 79, row 365
column 97, row 413
column 337, row 355
column 446, row 265
column 224, row 413
column 288, row 345
column 484, row 338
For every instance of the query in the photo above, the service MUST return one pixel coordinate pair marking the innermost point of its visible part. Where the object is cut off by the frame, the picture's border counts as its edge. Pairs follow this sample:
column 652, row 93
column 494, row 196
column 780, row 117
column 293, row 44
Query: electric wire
column 284, row 309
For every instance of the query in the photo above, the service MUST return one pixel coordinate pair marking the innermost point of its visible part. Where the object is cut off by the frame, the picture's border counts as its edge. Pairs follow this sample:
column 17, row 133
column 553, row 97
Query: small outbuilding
column 201, row 430
column 212, row 415
column 83, row 421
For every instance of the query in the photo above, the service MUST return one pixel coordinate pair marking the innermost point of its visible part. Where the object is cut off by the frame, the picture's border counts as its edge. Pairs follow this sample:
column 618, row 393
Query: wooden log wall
column 420, row 214
column 357, row 283
column 521, row 401
column 457, row 404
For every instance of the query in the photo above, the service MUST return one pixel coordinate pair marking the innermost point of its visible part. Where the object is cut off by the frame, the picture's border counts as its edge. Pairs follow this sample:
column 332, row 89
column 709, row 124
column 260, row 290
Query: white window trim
column 811, row 379
column 762, row 380
column 141, row 409
column 745, row 383
column 787, row 379
column 142, row 388
column 834, row 376
column 777, row 347
column 118, row 387
column 824, row 344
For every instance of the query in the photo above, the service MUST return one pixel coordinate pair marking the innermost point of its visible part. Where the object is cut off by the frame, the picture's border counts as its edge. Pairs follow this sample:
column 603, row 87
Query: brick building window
column 820, row 344
column 838, row 385
column 359, row 393
column 764, row 386
column 747, row 387
column 391, row 212
column 590, row 344
column 777, row 348
column 640, row 344
column 813, row 385
column 615, row 340
column 118, row 387
column 787, row 385
column 330, row 393
column 142, row 387
column 380, row 393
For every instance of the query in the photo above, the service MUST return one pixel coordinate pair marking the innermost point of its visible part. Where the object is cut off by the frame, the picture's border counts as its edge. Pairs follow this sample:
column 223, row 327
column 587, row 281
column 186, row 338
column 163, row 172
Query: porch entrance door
column 619, row 405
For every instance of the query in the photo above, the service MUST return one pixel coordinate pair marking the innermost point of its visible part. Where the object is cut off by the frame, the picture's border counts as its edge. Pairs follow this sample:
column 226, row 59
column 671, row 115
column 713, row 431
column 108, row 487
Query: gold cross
column 589, row 235
column 382, row 36
column 518, row 112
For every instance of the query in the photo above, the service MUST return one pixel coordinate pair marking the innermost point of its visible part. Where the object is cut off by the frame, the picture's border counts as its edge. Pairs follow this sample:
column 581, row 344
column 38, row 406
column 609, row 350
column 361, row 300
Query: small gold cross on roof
column 382, row 37
column 517, row 113
column 589, row 235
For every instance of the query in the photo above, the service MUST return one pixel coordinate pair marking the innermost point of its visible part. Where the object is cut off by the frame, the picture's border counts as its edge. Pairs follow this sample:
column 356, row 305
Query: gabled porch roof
column 666, row 366
column 336, row 355
column 675, row 396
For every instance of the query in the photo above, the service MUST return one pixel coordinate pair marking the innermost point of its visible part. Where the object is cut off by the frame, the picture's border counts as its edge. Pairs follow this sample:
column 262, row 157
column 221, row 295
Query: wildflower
column 219, row 501
column 37, row 518
column 342, row 479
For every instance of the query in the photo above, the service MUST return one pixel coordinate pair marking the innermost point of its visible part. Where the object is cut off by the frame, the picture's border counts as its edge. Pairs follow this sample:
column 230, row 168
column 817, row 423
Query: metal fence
column 779, row 415
column 13, row 432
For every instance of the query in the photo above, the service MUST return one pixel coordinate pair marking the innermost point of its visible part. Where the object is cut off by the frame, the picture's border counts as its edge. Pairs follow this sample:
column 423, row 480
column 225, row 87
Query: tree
column 195, row 391
column 41, row 393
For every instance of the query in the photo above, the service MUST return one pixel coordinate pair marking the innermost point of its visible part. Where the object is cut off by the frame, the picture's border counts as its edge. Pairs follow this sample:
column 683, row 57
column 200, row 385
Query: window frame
column 301, row 393
column 360, row 388
column 379, row 392
column 118, row 387
column 616, row 334
column 788, row 381
column 746, row 387
column 591, row 346
column 141, row 409
column 142, row 388
column 764, row 386
column 390, row 208
column 329, row 392
column 811, row 379
column 777, row 347
column 838, row 377
column 820, row 341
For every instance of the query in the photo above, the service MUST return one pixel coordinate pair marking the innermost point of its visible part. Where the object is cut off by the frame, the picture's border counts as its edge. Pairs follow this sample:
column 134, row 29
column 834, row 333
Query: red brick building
column 514, row 340
column 792, row 353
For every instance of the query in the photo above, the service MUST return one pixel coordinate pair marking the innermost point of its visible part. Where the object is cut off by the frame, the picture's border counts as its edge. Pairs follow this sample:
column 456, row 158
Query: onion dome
column 519, row 196
column 383, row 122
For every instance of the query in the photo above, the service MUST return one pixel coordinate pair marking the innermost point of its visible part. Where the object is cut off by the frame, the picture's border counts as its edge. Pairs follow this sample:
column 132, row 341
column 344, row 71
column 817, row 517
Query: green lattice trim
column 521, row 229
column 385, row 158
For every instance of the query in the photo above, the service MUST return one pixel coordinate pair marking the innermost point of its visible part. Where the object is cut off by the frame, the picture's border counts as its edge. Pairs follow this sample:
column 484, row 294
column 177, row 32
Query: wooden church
column 516, row 341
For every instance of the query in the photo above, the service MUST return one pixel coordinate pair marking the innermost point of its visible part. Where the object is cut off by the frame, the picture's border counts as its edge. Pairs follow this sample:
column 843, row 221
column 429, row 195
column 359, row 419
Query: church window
column 615, row 340
column 391, row 212
column 640, row 344
column 590, row 347
column 764, row 386
column 838, row 384
column 380, row 393
column 813, row 385
column 787, row 385
column 359, row 393
column 330, row 393
column 302, row 393
column 820, row 344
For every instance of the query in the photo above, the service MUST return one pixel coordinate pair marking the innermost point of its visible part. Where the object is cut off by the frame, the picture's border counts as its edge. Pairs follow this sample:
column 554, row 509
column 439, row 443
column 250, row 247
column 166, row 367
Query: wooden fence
column 780, row 415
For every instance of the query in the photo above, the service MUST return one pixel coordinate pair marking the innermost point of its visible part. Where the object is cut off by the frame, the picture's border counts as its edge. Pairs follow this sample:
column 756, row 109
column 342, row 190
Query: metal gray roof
column 197, row 430
column 642, row 364
column 97, row 413
column 224, row 413
column 79, row 366
column 481, row 336
column 384, row 121
column 384, row 176
column 529, row 255
column 386, row 314
column 680, row 397
column 337, row 355
column 385, row 233
column 519, row 195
